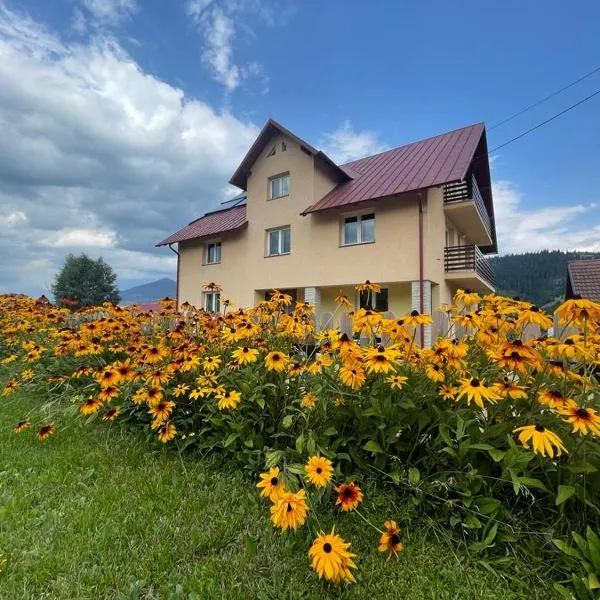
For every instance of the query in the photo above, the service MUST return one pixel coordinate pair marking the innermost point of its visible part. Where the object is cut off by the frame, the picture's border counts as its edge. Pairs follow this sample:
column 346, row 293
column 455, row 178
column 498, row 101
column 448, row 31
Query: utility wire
column 562, row 89
column 562, row 112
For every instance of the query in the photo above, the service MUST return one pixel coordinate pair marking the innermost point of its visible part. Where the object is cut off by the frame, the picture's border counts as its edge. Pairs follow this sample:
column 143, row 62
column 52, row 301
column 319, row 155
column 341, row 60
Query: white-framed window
column 279, row 241
column 279, row 186
column 212, row 301
column 212, row 254
column 359, row 229
column 377, row 301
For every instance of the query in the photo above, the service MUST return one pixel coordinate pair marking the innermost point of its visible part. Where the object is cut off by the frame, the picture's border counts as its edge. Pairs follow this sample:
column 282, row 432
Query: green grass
column 95, row 512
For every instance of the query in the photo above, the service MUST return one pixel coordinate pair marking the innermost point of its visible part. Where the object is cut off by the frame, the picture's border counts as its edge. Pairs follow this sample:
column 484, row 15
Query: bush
column 494, row 436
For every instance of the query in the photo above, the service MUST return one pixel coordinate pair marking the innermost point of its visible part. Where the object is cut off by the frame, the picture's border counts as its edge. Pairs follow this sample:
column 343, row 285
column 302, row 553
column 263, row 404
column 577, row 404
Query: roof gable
column 426, row 163
column 272, row 128
column 584, row 278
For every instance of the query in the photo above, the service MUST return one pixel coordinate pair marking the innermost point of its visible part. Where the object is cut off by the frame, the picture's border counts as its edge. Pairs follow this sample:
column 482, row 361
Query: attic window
column 272, row 151
column 283, row 147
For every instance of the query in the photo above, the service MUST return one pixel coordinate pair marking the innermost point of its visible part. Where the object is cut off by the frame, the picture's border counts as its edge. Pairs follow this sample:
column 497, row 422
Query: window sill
column 207, row 264
column 278, row 197
column 276, row 255
column 356, row 244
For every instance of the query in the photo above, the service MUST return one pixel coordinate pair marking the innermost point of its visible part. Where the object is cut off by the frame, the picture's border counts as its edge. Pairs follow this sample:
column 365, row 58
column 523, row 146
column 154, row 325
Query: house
column 583, row 279
column 418, row 220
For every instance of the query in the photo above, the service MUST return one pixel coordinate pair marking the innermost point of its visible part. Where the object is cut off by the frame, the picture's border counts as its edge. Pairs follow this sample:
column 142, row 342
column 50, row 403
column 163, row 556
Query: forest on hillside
column 538, row 277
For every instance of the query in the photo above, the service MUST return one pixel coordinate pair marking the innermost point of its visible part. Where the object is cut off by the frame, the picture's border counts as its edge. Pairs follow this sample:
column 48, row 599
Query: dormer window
column 272, row 151
column 279, row 186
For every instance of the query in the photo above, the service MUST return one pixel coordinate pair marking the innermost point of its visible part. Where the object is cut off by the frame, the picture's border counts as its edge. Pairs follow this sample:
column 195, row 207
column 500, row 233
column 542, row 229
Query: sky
column 123, row 120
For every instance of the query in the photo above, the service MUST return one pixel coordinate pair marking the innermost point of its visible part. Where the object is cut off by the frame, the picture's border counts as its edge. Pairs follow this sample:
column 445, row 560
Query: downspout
column 421, row 269
column 177, row 284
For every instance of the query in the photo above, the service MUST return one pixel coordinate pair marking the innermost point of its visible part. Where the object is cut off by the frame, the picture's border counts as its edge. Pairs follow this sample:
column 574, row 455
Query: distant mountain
column 149, row 292
column 538, row 277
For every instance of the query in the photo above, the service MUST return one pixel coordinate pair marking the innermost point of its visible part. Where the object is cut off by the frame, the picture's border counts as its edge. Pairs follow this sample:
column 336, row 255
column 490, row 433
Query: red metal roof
column 430, row 162
column 584, row 275
column 211, row 223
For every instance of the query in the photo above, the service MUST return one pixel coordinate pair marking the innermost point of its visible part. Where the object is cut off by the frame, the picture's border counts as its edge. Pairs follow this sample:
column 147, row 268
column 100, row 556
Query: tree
column 83, row 281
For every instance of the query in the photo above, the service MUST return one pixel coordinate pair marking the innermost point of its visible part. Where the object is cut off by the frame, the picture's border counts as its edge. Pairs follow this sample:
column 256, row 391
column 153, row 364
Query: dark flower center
column 289, row 508
column 344, row 337
column 327, row 547
column 582, row 413
column 319, row 470
column 274, row 481
column 395, row 539
column 244, row 350
column 348, row 492
column 569, row 342
column 514, row 354
column 414, row 313
column 534, row 309
column 475, row 382
column 275, row 357
column 540, row 428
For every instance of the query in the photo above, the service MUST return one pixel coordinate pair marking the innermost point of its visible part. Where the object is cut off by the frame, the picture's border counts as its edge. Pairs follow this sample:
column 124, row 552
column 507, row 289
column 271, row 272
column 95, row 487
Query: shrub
column 494, row 435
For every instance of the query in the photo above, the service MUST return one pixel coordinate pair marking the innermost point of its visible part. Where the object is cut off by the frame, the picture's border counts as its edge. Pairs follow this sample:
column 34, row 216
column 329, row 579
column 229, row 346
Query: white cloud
column 110, row 13
column 551, row 227
column 218, row 53
column 98, row 155
column 344, row 144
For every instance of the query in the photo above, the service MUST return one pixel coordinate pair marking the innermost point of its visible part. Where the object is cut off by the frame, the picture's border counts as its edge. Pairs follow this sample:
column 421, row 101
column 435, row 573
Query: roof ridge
column 431, row 137
column 213, row 212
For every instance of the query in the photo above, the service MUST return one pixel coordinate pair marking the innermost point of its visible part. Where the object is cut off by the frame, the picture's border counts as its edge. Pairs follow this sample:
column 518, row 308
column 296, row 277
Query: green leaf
column 230, row 439
column 497, row 455
column 287, row 421
column 532, row 483
column 330, row 431
column 593, row 582
column 296, row 469
column 372, row 446
column 472, row 522
column 594, row 547
column 273, row 457
column 414, row 476
column 481, row 447
column 300, row 443
column 564, row 493
column 568, row 550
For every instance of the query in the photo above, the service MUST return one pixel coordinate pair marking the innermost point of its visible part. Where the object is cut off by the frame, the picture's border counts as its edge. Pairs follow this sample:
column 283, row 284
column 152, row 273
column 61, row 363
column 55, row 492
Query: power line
column 562, row 89
column 562, row 112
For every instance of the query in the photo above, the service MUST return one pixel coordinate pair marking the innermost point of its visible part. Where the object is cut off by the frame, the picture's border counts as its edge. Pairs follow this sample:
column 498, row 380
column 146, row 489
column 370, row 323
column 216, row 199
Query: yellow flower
column 543, row 440
column 22, row 425
column 228, row 399
column 166, row 432
column 276, row 361
column 91, row 406
column 349, row 496
column 352, row 377
column 319, row 471
column 396, row 381
column 309, row 400
column 162, row 411
column 435, row 373
column 380, row 360
column 343, row 301
column 245, row 355
column 45, row 432
column 180, row 390
column 475, row 390
column 289, row 510
column 390, row 539
column 581, row 418
column 331, row 559
column 367, row 286
column 211, row 363
column 111, row 414
column 271, row 484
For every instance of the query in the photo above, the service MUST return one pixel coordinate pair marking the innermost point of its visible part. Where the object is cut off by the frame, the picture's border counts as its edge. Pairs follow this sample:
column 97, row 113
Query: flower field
column 494, row 437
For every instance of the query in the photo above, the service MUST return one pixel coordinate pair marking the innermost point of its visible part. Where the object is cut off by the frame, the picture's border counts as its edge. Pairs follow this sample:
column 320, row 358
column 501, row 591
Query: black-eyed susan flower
column 108, row 393
column 276, row 361
column 467, row 297
column 367, row 286
column 211, row 363
column 581, row 418
column 245, row 355
column 91, row 406
column 10, row 387
column 475, row 390
column 154, row 395
column 343, row 301
column 352, row 376
column 555, row 399
column 166, row 432
column 508, row 389
column 295, row 369
column 108, row 377
column 331, row 559
column 162, row 411
column 111, row 414
column 289, row 510
column 309, row 400
column 579, row 311
column 349, row 496
column 22, row 425
column 396, row 381
column 448, row 392
column 180, row 390
column 543, row 440
column 45, row 432
column 416, row 318
column 380, row 360
column 271, row 484
column 228, row 399
column 390, row 539
column 435, row 373
column 319, row 470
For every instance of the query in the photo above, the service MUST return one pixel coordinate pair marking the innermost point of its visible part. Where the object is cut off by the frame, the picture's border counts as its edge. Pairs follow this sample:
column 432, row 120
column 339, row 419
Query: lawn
column 95, row 512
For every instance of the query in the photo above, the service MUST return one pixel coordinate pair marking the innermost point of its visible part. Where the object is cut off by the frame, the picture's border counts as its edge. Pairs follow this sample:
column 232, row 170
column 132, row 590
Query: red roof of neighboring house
column 212, row 223
column 584, row 279
column 430, row 162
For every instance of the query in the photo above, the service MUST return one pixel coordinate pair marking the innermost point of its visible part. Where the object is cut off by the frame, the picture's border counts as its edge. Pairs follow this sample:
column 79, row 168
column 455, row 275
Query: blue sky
column 123, row 119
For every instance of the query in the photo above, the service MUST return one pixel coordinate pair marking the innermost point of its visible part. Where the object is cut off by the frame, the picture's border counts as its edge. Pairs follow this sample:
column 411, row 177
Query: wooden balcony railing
column 468, row 258
column 462, row 191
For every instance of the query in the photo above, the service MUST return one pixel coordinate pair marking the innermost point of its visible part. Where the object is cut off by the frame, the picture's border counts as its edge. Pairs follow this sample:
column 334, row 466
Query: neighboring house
column 417, row 219
column 583, row 279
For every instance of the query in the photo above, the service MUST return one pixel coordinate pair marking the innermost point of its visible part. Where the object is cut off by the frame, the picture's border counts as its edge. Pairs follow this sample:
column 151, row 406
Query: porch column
column 312, row 295
column 416, row 305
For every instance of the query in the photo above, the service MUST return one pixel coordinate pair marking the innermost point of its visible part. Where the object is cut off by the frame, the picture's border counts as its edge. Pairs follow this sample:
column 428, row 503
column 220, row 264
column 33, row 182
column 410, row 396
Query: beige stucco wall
column 317, row 259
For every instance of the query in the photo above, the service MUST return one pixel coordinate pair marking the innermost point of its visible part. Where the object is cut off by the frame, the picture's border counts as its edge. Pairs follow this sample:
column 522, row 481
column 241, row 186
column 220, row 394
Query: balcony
column 468, row 267
column 465, row 207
